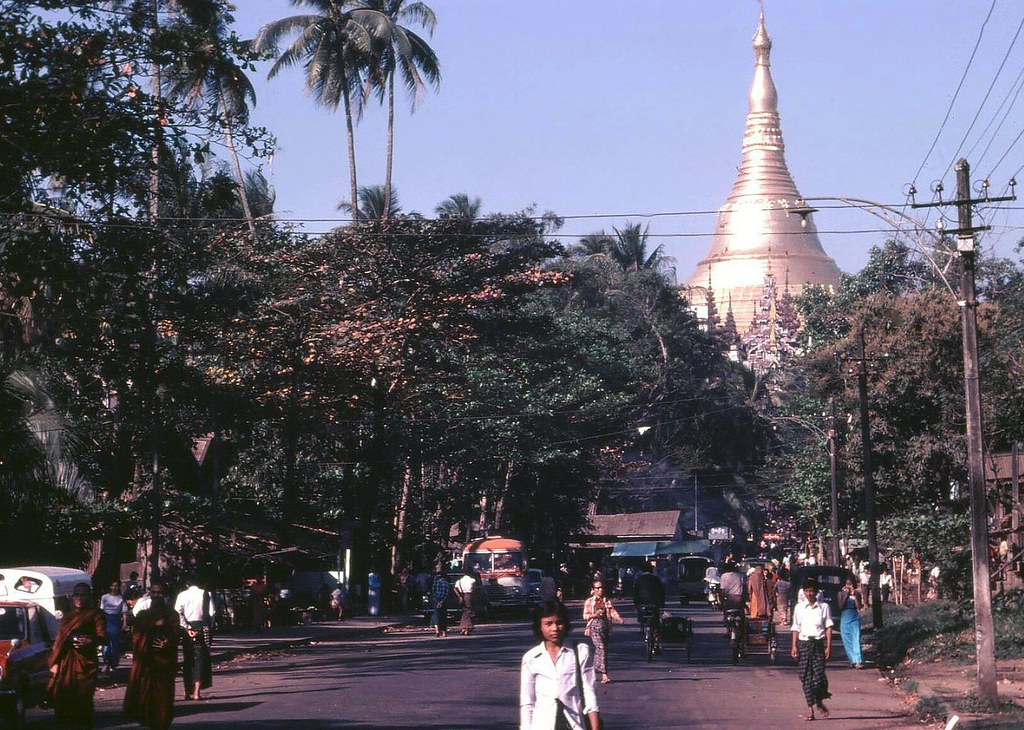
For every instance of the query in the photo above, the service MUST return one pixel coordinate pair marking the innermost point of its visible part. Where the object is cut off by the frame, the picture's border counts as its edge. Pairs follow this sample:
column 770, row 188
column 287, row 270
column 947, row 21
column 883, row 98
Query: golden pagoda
column 765, row 223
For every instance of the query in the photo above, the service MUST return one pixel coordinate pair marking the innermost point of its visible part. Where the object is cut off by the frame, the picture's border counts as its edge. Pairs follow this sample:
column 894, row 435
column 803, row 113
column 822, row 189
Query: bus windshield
column 497, row 562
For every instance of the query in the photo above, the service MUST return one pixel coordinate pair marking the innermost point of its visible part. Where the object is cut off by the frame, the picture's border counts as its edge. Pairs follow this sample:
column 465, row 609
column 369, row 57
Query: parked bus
column 502, row 563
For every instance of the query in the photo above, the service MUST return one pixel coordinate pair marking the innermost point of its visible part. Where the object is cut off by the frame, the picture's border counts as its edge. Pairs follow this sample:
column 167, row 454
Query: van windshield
column 12, row 623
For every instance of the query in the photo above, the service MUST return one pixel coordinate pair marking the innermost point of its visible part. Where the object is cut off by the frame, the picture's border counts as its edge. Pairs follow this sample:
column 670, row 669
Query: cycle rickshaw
column 751, row 635
column 674, row 630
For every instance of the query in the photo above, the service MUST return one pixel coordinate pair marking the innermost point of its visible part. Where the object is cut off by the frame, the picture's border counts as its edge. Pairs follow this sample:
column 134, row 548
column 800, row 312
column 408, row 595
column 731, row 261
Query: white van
column 32, row 602
column 47, row 586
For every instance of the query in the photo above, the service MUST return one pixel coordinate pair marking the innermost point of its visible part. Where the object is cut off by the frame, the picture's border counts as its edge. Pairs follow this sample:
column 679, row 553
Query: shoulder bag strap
column 579, row 675
column 579, row 686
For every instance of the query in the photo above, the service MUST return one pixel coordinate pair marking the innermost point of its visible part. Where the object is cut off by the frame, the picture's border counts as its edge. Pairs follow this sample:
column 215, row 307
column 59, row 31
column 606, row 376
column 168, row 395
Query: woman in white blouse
column 556, row 690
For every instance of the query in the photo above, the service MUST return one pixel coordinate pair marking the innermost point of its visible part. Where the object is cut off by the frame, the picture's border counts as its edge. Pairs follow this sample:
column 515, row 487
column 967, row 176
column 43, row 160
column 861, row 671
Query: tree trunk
column 400, row 513
column 353, row 186
column 154, row 174
column 243, row 194
column 481, row 522
column 290, row 497
column 391, row 145
column 506, row 490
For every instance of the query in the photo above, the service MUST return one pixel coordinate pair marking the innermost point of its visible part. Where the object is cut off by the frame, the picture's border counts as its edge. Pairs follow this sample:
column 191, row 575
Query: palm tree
column 262, row 196
column 372, row 202
column 405, row 53
column 459, row 207
column 596, row 244
column 334, row 46
column 205, row 72
column 629, row 250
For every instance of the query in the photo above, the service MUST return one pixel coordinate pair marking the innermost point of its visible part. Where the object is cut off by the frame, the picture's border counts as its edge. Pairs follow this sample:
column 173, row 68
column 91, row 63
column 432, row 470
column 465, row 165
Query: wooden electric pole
column 984, row 628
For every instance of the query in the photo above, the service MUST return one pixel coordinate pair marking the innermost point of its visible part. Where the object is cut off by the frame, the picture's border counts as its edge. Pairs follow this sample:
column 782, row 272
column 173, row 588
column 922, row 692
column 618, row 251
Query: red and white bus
column 502, row 563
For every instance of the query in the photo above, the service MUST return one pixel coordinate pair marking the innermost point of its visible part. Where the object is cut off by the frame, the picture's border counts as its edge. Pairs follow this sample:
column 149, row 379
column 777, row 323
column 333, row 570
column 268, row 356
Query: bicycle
column 650, row 623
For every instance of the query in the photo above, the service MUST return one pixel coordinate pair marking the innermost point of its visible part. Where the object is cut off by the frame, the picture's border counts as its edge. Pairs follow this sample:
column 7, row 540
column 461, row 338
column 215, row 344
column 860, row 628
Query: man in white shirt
column 734, row 587
column 464, row 590
column 144, row 602
column 812, row 646
column 195, row 606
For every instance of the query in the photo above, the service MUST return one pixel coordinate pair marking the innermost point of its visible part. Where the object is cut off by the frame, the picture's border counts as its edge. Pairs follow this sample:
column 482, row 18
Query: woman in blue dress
column 849, row 624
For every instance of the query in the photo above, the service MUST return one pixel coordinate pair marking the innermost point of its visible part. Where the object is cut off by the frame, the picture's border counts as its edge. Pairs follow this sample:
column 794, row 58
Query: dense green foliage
column 174, row 357
column 914, row 364
column 222, row 376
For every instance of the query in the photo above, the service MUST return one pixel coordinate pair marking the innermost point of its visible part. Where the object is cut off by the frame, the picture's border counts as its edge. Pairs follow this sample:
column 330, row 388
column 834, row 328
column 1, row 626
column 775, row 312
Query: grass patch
column 1008, row 614
column 943, row 630
column 972, row 704
column 932, row 630
column 931, row 707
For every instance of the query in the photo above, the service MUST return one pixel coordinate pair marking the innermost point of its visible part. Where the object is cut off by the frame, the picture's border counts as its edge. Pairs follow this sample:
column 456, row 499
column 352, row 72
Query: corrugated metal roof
column 660, row 525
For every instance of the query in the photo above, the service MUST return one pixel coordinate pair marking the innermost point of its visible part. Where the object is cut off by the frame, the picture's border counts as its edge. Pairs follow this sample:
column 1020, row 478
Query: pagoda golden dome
column 764, row 227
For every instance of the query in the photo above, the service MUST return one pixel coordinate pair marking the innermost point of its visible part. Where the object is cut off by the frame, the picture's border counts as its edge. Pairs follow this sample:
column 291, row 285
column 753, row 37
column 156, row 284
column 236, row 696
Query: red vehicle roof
column 491, row 544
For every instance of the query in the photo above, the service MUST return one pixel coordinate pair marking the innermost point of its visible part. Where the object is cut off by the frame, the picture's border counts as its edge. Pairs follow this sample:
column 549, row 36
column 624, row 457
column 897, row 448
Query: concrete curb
column 319, row 633
column 958, row 720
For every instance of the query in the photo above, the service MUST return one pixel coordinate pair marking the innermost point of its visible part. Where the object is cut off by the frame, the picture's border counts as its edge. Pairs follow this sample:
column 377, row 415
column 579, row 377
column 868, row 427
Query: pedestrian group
column 88, row 633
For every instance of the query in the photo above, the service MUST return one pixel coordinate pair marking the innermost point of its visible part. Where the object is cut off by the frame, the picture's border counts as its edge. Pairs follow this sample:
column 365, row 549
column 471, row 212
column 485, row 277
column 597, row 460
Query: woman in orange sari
column 149, row 698
column 74, row 661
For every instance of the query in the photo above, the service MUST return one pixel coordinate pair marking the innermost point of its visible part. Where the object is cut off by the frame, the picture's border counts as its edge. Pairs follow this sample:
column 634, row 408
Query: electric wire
column 984, row 101
column 1015, row 90
column 956, row 94
column 838, row 205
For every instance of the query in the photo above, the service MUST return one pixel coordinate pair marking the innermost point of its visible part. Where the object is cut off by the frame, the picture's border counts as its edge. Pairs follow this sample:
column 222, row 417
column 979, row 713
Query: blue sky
column 619, row 109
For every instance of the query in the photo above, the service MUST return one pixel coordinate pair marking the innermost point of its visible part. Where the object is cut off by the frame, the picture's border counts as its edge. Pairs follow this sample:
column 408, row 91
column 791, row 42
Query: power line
column 1015, row 90
column 956, row 94
column 485, row 219
column 995, row 78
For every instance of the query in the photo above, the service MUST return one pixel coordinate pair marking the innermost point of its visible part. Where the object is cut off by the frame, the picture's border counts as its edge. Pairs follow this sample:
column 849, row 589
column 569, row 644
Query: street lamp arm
column 805, row 424
column 875, row 209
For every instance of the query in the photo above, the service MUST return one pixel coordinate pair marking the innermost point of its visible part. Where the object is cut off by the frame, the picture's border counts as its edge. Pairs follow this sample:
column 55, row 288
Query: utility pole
column 833, row 458
column 869, row 484
column 984, row 628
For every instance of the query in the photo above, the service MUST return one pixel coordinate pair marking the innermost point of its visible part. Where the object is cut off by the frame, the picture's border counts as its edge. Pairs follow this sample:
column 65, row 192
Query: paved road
column 408, row 679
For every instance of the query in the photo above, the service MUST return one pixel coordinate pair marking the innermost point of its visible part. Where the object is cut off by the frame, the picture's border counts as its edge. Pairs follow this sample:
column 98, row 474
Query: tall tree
column 404, row 53
column 594, row 244
column 207, row 73
column 459, row 206
column 375, row 204
column 334, row 45
column 630, row 250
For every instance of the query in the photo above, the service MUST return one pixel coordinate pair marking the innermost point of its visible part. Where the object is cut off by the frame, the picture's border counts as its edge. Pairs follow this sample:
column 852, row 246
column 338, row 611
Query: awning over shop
column 634, row 549
column 684, row 547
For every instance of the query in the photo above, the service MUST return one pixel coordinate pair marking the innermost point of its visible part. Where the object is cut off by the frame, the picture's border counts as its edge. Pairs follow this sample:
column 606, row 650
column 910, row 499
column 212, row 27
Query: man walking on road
column 812, row 646
column 196, row 609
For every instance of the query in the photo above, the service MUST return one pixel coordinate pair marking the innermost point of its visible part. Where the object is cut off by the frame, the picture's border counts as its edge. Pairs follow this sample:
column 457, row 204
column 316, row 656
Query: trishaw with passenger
column 749, row 635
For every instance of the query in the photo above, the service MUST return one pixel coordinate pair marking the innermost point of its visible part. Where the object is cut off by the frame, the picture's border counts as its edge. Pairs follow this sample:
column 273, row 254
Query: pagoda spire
column 756, row 224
